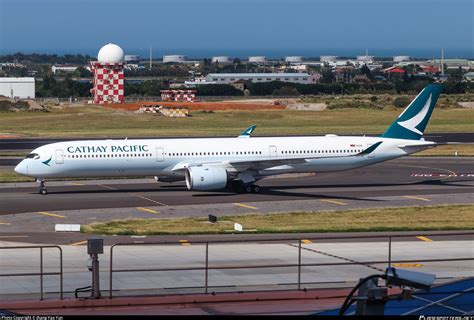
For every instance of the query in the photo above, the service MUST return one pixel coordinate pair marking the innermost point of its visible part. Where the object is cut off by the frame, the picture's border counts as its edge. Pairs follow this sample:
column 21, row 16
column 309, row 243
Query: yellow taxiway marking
column 407, row 265
column 184, row 242
column 306, row 241
column 5, row 223
column 75, row 184
column 148, row 210
column 417, row 198
column 424, row 239
column 335, row 202
column 245, row 206
column 78, row 243
column 50, row 214
column 1, row 237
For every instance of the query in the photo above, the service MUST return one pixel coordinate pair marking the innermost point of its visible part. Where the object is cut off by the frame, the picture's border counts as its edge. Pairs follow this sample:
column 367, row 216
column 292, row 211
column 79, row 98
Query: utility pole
column 150, row 56
column 442, row 62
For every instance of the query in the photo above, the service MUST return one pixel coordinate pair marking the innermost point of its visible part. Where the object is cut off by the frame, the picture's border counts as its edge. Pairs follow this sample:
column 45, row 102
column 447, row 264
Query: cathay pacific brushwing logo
column 413, row 122
column 48, row 161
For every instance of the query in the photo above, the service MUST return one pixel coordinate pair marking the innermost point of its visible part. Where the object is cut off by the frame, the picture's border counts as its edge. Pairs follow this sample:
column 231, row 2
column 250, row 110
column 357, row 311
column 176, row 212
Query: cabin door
column 273, row 151
column 59, row 156
column 160, row 154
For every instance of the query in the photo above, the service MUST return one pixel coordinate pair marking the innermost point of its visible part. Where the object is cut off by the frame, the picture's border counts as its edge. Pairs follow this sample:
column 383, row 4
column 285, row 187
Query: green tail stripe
column 411, row 123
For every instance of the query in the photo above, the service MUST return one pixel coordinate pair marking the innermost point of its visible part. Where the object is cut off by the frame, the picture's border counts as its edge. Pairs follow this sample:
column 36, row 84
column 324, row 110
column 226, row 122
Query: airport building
column 292, row 59
column 18, row 88
column 132, row 58
column 258, row 59
column 227, row 78
column 401, row 58
column 108, row 82
column 327, row 58
column 174, row 58
column 221, row 59
column 63, row 68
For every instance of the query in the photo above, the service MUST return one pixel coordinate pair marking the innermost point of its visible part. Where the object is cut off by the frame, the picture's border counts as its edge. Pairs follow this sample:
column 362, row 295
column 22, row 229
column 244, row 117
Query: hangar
column 19, row 88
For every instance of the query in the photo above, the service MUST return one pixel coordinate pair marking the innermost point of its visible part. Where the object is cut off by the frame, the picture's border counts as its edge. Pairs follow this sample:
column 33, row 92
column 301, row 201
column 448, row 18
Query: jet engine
column 206, row 178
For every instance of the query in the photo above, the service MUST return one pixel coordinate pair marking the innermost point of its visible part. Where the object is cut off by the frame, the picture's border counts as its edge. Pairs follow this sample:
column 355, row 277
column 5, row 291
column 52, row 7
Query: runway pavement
column 27, row 216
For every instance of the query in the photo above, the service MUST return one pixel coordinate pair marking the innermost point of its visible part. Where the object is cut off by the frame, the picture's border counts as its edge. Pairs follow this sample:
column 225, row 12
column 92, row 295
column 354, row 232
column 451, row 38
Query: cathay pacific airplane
column 217, row 163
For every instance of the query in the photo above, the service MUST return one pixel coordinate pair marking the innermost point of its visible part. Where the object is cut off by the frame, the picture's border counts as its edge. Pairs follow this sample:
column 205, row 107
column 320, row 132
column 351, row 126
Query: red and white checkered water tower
column 108, row 75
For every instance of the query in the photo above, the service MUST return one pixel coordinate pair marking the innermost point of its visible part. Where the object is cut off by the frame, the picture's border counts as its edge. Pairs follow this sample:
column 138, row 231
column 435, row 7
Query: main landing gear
column 42, row 188
column 241, row 187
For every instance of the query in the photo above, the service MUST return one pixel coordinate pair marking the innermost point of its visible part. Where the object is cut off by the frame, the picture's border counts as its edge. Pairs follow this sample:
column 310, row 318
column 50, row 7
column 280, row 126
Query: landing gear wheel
column 42, row 188
column 255, row 189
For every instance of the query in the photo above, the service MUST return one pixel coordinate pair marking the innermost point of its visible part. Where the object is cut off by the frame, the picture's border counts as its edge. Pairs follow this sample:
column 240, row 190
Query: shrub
column 401, row 102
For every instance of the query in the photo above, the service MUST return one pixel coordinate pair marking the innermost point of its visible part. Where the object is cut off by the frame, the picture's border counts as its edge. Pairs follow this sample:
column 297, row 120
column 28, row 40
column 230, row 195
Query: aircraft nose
column 22, row 168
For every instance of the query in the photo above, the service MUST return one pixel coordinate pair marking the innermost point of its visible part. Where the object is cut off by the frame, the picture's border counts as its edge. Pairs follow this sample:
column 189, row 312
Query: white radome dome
column 110, row 53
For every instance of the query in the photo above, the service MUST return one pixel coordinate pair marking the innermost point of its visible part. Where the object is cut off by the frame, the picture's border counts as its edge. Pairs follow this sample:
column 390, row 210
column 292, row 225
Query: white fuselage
column 165, row 157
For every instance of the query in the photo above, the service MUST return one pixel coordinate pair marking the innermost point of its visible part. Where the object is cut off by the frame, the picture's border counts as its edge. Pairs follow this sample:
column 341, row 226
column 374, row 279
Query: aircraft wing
column 274, row 162
column 260, row 164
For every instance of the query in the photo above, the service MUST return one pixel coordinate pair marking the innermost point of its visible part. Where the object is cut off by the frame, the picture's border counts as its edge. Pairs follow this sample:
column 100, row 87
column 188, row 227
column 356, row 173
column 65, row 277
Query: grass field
column 453, row 217
column 8, row 175
column 99, row 122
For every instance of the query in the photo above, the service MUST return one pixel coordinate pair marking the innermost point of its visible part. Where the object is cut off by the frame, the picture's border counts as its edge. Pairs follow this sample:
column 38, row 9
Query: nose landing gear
column 42, row 188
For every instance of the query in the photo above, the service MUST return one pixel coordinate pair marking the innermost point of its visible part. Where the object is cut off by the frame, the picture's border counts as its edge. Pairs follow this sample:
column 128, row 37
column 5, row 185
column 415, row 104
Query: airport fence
column 298, row 265
column 207, row 265
column 41, row 274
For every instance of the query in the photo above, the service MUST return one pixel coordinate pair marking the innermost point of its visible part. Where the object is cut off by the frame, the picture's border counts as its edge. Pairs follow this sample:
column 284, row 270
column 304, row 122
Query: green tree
column 327, row 75
column 366, row 71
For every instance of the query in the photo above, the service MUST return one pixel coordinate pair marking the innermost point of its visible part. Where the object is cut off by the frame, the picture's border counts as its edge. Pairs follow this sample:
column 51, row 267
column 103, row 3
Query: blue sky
column 223, row 26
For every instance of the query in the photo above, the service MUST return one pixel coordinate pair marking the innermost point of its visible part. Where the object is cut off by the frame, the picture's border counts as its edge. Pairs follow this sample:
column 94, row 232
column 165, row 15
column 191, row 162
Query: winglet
column 247, row 132
column 370, row 149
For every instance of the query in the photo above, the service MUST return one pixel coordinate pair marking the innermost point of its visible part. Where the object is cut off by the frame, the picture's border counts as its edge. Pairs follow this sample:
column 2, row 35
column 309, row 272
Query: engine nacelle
column 206, row 178
column 168, row 178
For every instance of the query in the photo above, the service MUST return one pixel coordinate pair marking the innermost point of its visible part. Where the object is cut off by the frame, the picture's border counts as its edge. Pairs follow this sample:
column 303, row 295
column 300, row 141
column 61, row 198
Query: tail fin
column 411, row 123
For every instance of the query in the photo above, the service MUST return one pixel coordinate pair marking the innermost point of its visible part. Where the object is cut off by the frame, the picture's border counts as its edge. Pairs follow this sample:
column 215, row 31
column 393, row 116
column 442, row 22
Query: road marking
column 13, row 236
column 245, row 206
column 78, row 243
column 75, row 184
column 148, row 199
column 184, row 242
column 107, row 187
column 335, row 202
column 417, row 198
column 422, row 238
column 148, row 210
column 50, row 214
column 5, row 223
column 407, row 265
column 306, row 241
column 135, row 195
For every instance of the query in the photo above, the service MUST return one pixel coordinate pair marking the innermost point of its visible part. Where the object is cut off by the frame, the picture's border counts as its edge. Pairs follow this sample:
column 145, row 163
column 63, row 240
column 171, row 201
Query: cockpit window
column 33, row 156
